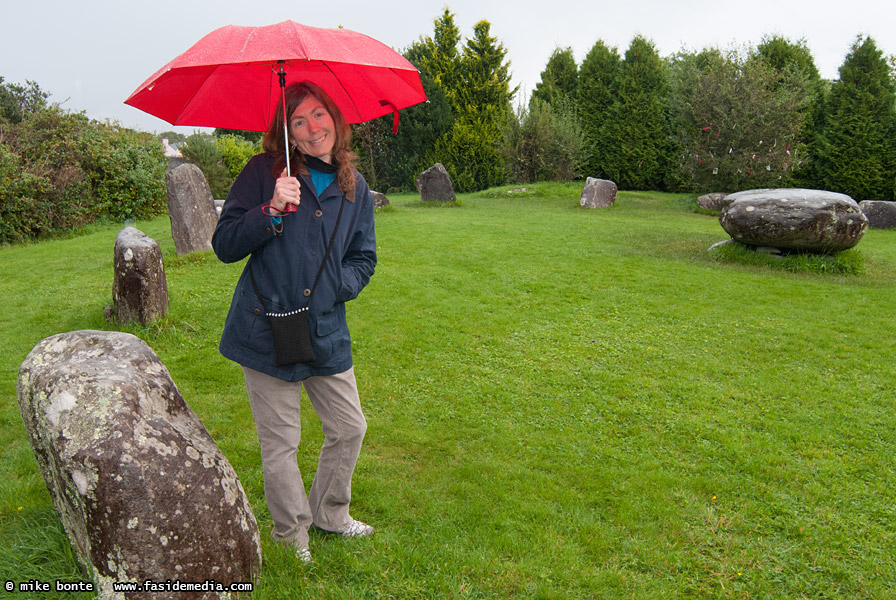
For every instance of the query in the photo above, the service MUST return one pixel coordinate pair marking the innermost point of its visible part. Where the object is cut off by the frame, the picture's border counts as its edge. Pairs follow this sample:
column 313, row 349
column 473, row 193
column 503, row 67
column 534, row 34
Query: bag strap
column 319, row 271
column 329, row 247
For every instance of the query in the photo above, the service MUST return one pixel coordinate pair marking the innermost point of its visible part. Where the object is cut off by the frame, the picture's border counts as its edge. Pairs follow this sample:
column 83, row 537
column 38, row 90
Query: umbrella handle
column 282, row 75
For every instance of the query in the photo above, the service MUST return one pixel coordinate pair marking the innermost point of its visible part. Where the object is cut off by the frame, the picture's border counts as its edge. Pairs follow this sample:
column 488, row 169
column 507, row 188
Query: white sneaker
column 356, row 529
column 303, row 554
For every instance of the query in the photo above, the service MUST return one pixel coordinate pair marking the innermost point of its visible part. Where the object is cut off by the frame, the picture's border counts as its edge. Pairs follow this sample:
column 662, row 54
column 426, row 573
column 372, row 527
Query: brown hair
column 343, row 156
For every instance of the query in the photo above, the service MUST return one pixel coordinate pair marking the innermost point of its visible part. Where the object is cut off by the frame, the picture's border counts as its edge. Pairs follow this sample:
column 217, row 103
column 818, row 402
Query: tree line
column 713, row 120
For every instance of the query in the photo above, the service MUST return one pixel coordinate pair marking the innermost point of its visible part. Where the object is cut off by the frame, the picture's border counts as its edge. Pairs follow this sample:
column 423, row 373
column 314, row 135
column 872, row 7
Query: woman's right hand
column 287, row 190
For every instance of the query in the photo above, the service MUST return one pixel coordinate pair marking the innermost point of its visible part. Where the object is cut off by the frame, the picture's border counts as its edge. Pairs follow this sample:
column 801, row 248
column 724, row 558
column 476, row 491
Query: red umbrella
column 229, row 78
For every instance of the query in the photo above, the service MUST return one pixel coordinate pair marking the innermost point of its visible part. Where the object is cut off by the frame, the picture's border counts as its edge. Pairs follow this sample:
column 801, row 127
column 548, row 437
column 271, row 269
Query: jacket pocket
column 250, row 326
column 328, row 323
column 332, row 332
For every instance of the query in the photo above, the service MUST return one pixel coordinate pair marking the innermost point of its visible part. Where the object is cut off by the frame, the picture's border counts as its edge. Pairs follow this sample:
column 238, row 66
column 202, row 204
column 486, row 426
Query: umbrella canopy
column 229, row 78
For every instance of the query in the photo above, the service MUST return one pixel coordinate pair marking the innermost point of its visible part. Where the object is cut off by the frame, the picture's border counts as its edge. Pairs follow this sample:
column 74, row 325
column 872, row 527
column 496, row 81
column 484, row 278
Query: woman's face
column 312, row 129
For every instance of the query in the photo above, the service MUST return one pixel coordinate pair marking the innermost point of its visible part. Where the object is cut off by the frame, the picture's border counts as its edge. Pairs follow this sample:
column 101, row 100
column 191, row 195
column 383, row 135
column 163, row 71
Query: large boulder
column 794, row 219
column 598, row 193
column 191, row 209
column 881, row 214
column 434, row 184
column 141, row 488
column 139, row 286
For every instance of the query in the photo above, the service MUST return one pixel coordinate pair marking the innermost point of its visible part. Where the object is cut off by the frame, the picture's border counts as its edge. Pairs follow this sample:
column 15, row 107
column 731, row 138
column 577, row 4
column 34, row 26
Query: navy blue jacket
column 285, row 266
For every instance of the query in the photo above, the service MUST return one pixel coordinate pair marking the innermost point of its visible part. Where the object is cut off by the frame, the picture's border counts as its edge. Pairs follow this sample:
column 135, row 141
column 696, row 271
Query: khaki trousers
column 276, row 410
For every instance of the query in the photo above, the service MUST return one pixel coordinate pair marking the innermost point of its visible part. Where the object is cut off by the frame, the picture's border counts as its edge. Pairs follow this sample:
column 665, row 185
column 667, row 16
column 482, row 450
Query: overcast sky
column 90, row 55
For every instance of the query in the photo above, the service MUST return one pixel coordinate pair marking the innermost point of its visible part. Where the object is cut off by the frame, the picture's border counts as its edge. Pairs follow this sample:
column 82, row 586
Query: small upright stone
column 139, row 287
column 598, row 193
column 379, row 199
column 434, row 184
column 191, row 209
column 881, row 214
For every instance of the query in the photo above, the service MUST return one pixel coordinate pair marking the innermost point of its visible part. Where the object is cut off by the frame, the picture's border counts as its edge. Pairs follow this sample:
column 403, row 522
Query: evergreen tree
column 439, row 57
column 596, row 94
column 559, row 80
column 637, row 128
column 785, row 57
column 486, row 75
column 483, row 108
column 476, row 85
column 856, row 154
column 462, row 124
column 391, row 162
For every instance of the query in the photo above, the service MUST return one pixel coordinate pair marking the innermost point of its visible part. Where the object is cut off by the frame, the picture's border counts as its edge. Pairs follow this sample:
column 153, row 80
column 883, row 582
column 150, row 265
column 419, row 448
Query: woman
column 286, row 251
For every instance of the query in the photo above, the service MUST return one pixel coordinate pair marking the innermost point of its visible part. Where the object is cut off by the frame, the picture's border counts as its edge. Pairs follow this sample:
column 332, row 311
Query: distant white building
column 170, row 151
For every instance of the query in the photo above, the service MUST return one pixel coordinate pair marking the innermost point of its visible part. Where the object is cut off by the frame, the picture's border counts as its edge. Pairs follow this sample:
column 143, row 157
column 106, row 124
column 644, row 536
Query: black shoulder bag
column 291, row 330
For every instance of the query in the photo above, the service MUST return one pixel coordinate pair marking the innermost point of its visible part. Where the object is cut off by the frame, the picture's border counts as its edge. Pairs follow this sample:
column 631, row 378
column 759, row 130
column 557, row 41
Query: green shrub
column 471, row 155
column 543, row 142
column 201, row 150
column 19, row 216
column 235, row 152
column 61, row 170
column 18, row 101
column 129, row 176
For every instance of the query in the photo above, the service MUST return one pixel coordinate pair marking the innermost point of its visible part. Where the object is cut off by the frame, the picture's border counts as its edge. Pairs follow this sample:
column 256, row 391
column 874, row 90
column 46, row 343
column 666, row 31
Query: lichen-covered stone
column 794, row 219
column 139, row 286
column 191, row 209
column 142, row 490
column 598, row 193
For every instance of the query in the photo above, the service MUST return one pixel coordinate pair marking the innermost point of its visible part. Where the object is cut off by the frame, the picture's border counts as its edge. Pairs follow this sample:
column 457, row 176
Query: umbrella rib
column 347, row 93
column 195, row 93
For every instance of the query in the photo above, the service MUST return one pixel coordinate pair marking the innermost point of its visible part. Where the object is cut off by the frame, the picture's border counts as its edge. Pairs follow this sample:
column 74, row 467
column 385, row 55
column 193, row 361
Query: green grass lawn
column 562, row 403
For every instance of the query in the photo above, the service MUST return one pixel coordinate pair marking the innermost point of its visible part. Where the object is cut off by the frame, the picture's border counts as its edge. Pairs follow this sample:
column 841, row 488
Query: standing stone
column 191, row 209
column 379, row 199
column 794, row 219
column 142, row 490
column 598, row 193
column 881, row 214
column 139, row 288
column 434, row 184
column 713, row 201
